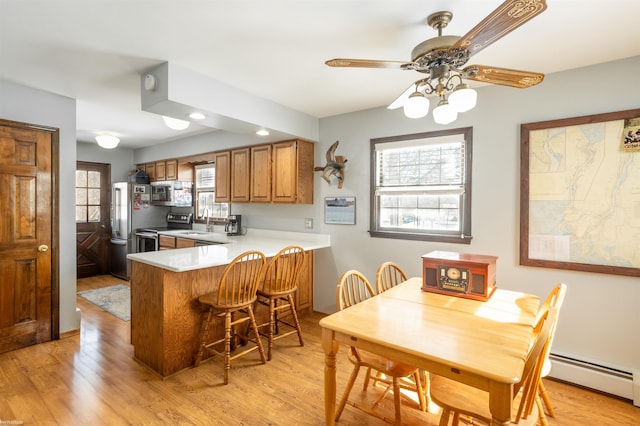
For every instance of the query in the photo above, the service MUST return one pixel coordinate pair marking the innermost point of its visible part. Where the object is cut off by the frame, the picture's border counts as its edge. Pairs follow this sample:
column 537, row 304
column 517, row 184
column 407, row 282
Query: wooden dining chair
column 389, row 275
column 353, row 288
column 236, row 294
column 463, row 400
column 277, row 293
column 555, row 299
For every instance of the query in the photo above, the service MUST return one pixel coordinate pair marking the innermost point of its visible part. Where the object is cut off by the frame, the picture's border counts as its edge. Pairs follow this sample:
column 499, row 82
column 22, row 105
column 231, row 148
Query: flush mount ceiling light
column 174, row 123
column 107, row 141
column 197, row 116
column 262, row 132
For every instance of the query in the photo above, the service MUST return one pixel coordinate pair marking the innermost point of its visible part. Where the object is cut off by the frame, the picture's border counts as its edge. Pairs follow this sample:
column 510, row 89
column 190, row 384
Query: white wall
column 34, row 106
column 121, row 159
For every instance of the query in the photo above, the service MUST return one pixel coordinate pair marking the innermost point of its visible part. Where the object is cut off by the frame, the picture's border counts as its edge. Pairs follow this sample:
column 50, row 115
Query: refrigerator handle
column 117, row 204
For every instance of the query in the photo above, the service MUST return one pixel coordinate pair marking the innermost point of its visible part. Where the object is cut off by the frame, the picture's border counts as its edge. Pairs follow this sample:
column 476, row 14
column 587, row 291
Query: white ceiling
column 95, row 50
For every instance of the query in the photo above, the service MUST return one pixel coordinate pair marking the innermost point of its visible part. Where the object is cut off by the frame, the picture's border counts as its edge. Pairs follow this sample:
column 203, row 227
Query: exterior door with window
column 27, row 291
column 93, row 183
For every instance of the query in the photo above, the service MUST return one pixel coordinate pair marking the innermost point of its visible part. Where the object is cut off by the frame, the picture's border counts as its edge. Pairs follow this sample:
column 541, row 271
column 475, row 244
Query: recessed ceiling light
column 262, row 132
column 197, row 116
column 107, row 141
column 174, row 123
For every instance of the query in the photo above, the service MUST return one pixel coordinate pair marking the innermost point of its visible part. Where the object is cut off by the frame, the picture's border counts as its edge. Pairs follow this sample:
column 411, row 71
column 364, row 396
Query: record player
column 471, row 276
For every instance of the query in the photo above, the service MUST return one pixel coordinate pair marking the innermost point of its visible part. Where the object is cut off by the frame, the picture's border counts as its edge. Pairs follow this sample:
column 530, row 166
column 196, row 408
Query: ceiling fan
column 441, row 58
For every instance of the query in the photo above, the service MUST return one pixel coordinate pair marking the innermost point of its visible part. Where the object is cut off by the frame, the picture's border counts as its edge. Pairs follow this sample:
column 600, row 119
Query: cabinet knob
column 43, row 248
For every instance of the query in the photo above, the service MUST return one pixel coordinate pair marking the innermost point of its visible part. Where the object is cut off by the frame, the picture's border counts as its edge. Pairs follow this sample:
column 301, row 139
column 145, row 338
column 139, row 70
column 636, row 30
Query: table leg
column 330, row 348
column 500, row 400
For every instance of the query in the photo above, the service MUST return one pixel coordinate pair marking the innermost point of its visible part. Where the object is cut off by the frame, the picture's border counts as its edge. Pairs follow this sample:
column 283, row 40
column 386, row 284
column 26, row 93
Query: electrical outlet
column 308, row 223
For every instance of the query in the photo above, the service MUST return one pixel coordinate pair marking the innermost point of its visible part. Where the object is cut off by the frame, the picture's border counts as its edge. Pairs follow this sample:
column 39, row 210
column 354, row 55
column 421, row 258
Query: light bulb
column 463, row 98
column 444, row 113
column 417, row 106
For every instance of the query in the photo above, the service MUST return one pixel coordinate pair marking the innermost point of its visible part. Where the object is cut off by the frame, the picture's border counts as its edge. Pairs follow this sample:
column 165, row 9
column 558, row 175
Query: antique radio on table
column 472, row 276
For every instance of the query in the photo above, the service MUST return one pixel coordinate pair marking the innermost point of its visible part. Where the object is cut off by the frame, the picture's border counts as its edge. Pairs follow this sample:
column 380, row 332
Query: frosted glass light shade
column 463, row 98
column 174, row 123
column 416, row 106
column 444, row 113
column 107, row 141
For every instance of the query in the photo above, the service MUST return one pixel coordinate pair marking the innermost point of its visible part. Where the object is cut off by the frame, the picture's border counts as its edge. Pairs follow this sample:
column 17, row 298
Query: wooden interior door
column 28, row 299
column 93, row 233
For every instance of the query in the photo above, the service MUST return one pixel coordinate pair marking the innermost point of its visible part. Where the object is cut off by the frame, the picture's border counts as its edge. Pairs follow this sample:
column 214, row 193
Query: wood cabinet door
column 284, row 172
column 150, row 168
column 166, row 242
column 223, row 176
column 185, row 242
column 160, row 170
column 304, row 294
column 261, row 174
column 171, row 169
column 240, row 175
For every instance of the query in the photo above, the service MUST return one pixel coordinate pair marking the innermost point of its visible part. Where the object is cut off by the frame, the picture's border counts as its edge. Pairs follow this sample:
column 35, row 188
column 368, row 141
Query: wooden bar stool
column 237, row 294
column 277, row 292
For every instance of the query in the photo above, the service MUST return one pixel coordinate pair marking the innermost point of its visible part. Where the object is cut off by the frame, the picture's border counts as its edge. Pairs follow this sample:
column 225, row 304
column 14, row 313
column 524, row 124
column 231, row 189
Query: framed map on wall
column 580, row 194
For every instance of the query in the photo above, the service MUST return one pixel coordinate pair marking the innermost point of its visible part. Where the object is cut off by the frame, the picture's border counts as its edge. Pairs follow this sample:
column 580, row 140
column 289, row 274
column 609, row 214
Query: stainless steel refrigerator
column 131, row 209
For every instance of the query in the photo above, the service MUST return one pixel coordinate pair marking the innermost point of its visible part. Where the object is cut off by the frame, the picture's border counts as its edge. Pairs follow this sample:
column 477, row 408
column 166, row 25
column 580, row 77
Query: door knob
column 43, row 248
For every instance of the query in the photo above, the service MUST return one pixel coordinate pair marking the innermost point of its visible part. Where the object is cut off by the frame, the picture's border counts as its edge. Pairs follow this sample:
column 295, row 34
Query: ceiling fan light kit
column 442, row 59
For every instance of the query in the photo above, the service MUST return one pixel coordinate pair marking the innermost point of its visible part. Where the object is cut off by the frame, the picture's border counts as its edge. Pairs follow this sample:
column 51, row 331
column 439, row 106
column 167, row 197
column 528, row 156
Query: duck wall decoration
column 335, row 166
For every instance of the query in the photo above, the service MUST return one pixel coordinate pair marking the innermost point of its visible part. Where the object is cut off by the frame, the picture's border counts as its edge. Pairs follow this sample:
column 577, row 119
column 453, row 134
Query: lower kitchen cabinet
column 167, row 242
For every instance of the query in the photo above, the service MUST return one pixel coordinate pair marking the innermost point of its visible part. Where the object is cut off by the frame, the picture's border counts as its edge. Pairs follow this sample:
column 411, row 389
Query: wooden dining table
column 481, row 344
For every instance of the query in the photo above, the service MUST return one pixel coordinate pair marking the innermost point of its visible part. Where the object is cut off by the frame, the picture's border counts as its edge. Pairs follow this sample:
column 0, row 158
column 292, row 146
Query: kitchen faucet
column 206, row 212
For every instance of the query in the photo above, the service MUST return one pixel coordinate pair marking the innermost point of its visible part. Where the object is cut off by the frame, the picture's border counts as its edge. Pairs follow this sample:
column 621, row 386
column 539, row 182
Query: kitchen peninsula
column 165, row 286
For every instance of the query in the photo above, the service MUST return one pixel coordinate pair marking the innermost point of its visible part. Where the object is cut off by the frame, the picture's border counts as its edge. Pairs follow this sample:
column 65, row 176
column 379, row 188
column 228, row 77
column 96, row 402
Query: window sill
column 422, row 237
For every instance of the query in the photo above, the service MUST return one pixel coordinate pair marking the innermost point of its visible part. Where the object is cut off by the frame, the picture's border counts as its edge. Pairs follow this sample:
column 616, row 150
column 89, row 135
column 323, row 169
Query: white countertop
column 266, row 241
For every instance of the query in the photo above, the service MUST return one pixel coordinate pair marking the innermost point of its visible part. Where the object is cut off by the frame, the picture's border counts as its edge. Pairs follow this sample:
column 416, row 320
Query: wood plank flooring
column 91, row 378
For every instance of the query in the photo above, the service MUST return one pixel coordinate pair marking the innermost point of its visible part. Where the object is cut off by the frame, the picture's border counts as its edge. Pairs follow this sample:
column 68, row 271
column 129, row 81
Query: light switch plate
column 308, row 223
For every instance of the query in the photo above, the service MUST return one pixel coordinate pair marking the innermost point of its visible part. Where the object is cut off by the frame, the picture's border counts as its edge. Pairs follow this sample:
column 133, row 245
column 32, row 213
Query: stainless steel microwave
column 172, row 193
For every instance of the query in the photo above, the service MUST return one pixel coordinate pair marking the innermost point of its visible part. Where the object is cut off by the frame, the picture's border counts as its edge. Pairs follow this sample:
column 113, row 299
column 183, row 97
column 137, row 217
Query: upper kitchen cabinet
column 222, row 161
column 260, row 174
column 167, row 170
column 292, row 172
column 240, row 175
column 271, row 173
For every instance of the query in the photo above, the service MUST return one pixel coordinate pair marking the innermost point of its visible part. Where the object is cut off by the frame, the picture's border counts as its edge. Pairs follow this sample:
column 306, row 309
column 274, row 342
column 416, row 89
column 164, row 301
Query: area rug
column 115, row 299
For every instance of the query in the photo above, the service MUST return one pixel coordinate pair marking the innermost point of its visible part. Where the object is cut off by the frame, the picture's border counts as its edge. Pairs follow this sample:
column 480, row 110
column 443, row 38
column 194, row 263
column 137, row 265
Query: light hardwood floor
column 91, row 378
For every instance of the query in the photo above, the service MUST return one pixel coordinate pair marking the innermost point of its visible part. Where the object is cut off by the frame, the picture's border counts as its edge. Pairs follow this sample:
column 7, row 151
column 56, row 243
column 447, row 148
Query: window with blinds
column 421, row 186
column 205, row 191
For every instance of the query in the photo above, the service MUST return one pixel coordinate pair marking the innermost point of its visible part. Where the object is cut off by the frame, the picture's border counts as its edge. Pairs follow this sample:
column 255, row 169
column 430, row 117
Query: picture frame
column 340, row 210
column 580, row 194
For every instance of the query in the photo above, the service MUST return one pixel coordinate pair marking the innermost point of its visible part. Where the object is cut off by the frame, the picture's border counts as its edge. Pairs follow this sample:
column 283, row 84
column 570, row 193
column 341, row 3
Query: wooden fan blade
column 365, row 63
column 507, row 17
column 502, row 76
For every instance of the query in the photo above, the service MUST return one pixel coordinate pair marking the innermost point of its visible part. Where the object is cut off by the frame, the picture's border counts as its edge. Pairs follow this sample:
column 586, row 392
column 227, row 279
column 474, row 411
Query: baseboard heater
column 624, row 384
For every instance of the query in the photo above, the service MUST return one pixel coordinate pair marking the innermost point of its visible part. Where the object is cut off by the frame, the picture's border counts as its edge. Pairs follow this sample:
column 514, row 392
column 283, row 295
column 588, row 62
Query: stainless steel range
column 147, row 238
